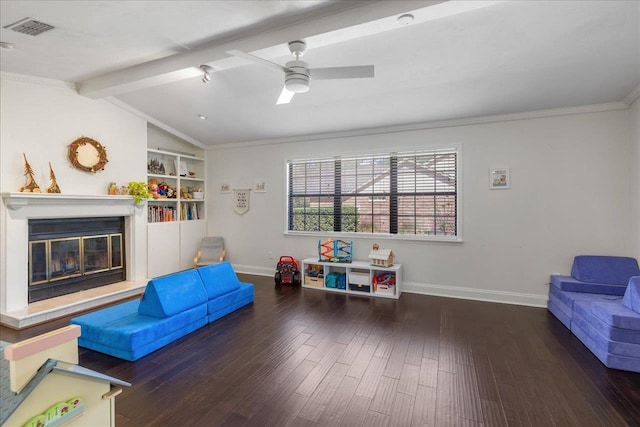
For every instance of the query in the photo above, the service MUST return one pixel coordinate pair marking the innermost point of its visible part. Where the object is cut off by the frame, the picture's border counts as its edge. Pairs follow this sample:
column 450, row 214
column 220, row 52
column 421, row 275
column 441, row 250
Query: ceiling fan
column 297, row 73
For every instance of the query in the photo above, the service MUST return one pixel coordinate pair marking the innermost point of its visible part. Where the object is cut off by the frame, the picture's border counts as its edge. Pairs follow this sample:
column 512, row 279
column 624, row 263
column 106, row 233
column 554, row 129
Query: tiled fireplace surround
column 18, row 208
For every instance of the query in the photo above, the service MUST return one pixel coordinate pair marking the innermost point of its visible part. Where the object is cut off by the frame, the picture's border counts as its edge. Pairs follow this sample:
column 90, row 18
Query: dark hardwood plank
column 371, row 377
column 409, row 379
column 424, row 409
column 301, row 357
column 361, row 362
column 402, row 410
column 376, row 419
column 428, row 373
column 319, row 400
column 385, row 393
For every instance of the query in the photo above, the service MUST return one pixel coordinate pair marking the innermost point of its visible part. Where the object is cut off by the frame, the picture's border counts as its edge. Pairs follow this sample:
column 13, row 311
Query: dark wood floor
column 304, row 357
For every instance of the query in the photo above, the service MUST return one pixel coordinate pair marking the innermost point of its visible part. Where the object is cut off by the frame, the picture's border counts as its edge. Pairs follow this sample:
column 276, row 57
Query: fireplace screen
column 73, row 254
column 64, row 260
column 58, row 259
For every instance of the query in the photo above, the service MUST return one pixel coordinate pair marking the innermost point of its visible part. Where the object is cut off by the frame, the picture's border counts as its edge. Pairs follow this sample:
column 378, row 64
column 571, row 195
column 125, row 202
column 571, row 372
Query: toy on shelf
column 153, row 188
column 336, row 280
column 166, row 191
column 287, row 271
column 380, row 257
column 335, row 250
column 314, row 270
column 384, row 281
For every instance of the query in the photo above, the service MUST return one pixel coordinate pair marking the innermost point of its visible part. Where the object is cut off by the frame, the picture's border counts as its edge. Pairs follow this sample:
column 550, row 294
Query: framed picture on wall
column 260, row 185
column 225, row 186
column 499, row 179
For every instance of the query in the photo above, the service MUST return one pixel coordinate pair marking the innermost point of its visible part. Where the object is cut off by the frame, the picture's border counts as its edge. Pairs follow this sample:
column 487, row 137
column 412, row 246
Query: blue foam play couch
column 172, row 306
column 600, row 304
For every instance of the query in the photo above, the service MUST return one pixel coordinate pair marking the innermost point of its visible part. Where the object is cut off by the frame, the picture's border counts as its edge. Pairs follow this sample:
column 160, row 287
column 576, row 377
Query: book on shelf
column 161, row 214
column 189, row 211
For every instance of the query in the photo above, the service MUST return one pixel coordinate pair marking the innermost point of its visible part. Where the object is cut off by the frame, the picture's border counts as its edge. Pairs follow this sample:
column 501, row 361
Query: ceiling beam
column 336, row 18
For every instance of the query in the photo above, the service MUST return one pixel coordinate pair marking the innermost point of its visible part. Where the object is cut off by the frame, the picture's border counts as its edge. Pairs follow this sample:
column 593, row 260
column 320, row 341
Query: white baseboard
column 250, row 269
column 504, row 297
column 516, row 298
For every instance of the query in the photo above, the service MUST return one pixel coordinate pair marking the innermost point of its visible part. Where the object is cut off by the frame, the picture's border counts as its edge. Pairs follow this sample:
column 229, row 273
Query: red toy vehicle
column 288, row 271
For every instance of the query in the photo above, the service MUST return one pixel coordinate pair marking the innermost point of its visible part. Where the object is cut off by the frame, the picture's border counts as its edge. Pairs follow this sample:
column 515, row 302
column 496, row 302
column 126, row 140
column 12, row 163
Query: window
column 413, row 193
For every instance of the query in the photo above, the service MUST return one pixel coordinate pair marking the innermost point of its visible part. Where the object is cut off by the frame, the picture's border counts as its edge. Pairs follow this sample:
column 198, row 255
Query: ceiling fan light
column 297, row 85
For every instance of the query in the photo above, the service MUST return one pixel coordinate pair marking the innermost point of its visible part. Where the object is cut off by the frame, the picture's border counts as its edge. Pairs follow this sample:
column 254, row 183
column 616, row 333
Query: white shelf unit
column 172, row 243
column 359, row 277
column 178, row 208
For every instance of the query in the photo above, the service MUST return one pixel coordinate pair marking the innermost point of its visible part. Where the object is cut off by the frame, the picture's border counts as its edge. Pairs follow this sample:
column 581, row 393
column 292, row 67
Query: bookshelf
column 177, row 222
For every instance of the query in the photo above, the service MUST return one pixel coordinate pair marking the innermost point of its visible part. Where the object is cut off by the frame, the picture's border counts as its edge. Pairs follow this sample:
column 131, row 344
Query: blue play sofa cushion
column 172, row 307
column 172, row 294
column 614, row 270
column 600, row 304
column 123, row 332
column 218, row 279
column 631, row 298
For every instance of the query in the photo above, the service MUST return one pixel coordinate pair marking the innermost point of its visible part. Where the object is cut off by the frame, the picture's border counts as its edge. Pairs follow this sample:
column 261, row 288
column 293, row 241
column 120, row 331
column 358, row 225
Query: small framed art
column 499, row 179
column 260, row 185
column 225, row 186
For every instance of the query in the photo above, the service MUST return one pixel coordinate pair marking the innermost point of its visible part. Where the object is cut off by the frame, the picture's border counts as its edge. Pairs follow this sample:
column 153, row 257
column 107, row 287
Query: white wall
column 160, row 139
column 41, row 119
column 635, row 178
column 568, row 196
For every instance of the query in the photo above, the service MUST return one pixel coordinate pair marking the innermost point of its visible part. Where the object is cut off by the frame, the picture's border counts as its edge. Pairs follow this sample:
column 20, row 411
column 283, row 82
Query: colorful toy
column 335, row 250
column 287, row 271
column 336, row 280
column 380, row 257
column 153, row 188
column 384, row 280
column 314, row 270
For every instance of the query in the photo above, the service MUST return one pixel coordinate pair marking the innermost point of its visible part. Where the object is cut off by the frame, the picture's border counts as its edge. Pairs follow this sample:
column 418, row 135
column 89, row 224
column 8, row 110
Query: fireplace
column 68, row 255
column 17, row 210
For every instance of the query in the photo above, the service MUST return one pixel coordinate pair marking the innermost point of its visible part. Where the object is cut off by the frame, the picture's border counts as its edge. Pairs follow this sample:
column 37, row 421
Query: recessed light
column 5, row 45
column 201, row 117
column 405, row 19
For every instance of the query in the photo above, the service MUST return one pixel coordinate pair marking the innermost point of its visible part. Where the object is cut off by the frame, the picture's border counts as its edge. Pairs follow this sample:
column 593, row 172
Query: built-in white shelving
column 176, row 225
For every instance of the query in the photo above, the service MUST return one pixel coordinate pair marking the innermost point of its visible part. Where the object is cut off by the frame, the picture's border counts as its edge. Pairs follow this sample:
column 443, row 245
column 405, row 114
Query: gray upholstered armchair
column 211, row 252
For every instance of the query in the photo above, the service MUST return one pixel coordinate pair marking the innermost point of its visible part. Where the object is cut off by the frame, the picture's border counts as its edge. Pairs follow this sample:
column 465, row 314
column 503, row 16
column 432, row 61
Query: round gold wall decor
column 87, row 154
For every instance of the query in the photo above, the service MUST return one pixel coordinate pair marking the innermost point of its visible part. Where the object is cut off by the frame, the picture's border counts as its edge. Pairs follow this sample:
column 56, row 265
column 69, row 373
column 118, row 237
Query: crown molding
column 555, row 112
column 633, row 95
column 42, row 81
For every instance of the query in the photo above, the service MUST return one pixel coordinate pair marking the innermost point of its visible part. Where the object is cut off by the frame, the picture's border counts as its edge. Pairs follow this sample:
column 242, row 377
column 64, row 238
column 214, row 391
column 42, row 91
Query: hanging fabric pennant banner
column 241, row 201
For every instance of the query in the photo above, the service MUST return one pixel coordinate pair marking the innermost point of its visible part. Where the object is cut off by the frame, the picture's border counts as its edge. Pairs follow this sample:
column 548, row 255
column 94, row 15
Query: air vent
column 29, row 26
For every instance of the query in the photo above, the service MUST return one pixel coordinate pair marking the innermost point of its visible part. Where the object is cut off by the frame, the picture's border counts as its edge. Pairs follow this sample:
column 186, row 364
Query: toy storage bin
column 358, row 278
column 318, row 282
column 386, row 290
column 360, row 288
column 336, row 280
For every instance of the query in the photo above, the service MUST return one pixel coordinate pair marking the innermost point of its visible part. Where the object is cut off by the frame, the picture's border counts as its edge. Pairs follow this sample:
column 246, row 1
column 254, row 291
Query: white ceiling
column 456, row 60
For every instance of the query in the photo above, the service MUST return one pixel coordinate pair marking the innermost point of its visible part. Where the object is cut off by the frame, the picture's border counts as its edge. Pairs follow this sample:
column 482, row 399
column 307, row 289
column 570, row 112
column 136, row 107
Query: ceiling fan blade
column 356, row 72
column 285, row 96
column 257, row 60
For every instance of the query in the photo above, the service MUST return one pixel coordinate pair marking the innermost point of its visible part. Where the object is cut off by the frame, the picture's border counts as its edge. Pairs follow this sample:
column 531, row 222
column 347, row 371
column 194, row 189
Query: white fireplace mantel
column 19, row 208
column 15, row 201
